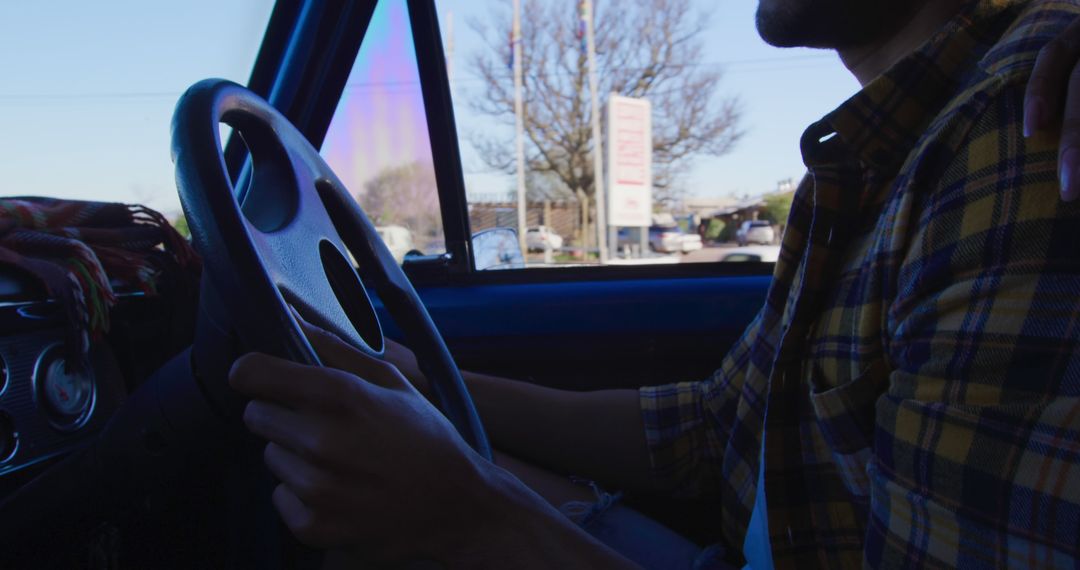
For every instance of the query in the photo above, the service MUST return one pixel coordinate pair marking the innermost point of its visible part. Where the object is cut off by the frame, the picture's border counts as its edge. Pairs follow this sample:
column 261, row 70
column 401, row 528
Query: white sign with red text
column 629, row 162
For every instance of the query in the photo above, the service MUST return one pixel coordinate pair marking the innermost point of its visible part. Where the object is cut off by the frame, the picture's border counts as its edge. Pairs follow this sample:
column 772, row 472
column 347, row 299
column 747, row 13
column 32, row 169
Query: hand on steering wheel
column 359, row 453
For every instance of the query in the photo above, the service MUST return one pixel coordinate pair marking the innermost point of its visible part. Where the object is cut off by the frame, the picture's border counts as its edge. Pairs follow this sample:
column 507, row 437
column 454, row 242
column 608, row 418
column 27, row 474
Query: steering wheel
column 283, row 241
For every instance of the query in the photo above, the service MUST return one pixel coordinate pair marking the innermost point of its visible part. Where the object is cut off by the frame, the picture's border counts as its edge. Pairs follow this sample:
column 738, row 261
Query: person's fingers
column 336, row 353
column 403, row 358
column 315, row 486
column 405, row 361
column 304, row 435
column 1046, row 86
column 295, row 385
column 1069, row 148
column 310, row 527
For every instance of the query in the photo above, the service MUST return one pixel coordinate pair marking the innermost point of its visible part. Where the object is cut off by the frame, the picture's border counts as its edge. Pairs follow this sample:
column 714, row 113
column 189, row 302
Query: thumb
column 336, row 353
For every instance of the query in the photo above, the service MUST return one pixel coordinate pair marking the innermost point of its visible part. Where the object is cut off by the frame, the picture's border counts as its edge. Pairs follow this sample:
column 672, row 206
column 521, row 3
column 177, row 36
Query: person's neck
column 871, row 60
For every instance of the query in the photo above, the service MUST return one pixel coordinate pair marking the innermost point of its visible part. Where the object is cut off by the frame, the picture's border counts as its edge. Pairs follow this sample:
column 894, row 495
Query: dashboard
column 48, row 408
column 57, row 516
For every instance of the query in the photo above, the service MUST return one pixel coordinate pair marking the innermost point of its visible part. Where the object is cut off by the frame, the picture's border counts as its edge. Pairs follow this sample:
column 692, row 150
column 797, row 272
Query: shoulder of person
column 1034, row 23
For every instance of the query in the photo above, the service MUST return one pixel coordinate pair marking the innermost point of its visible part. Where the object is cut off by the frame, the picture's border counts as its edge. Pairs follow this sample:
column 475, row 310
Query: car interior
column 151, row 466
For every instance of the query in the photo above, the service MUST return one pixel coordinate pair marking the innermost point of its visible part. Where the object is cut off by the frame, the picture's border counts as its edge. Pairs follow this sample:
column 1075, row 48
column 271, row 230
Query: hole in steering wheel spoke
column 350, row 295
column 267, row 190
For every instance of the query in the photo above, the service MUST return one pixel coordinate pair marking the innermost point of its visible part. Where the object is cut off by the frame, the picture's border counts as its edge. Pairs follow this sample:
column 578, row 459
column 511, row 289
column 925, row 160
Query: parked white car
column 666, row 239
column 539, row 237
column 398, row 239
column 755, row 231
column 753, row 253
column 691, row 242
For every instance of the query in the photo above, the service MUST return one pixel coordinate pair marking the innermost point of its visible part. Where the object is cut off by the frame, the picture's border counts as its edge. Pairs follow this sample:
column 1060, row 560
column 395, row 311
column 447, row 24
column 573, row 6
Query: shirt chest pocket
column 844, row 415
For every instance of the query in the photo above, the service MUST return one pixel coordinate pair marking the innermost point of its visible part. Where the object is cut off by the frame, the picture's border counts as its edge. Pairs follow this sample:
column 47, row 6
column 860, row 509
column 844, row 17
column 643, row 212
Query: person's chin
column 822, row 25
column 781, row 36
column 782, row 28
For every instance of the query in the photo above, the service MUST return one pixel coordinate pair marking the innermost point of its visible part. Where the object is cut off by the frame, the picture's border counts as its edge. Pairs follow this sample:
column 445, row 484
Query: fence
column 562, row 217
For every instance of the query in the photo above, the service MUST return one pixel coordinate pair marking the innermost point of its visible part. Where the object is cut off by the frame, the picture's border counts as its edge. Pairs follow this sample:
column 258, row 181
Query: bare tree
column 405, row 195
column 645, row 48
column 545, row 185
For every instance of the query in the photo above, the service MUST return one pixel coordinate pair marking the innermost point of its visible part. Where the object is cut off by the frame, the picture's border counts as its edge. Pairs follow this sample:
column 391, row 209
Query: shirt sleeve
column 977, row 460
column 687, row 423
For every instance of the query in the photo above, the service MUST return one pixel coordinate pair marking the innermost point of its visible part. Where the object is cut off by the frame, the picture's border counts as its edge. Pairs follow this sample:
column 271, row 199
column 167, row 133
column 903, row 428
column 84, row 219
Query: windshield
column 89, row 90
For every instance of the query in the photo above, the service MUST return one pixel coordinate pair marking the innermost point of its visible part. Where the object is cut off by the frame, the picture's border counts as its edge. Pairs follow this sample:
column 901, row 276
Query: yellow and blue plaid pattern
column 915, row 371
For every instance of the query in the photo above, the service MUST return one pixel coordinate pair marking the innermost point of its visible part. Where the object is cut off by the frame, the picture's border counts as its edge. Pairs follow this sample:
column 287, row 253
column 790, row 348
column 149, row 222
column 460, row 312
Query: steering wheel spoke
column 308, row 245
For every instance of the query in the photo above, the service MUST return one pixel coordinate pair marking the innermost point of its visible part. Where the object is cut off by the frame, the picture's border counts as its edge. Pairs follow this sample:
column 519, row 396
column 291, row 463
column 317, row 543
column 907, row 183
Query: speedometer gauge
column 65, row 396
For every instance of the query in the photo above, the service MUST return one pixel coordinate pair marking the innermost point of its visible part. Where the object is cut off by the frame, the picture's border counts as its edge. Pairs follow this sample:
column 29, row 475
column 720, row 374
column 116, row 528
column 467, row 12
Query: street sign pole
column 519, row 112
column 598, row 151
column 644, row 242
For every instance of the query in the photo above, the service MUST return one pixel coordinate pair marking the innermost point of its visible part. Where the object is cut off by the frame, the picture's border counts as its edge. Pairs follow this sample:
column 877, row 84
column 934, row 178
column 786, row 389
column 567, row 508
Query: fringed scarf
column 73, row 248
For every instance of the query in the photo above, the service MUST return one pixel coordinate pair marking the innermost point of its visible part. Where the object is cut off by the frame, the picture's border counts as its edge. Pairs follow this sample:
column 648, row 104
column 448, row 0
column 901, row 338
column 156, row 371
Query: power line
column 762, row 65
column 89, row 96
column 785, row 59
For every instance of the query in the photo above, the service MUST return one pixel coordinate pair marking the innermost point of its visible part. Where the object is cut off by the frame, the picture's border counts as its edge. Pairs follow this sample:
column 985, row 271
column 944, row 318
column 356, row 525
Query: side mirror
column 497, row 248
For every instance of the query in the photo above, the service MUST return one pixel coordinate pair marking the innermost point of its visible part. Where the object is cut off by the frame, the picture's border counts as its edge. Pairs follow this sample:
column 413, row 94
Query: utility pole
column 598, row 151
column 519, row 112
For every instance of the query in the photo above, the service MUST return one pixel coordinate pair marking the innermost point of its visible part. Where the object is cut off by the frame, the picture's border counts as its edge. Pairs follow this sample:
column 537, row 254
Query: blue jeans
column 637, row 537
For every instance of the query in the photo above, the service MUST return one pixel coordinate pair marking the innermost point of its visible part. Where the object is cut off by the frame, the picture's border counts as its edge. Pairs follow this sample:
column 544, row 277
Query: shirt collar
column 880, row 125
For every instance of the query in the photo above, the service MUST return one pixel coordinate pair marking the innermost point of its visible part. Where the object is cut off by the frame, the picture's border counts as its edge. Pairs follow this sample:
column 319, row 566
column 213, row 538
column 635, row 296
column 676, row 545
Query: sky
column 87, row 91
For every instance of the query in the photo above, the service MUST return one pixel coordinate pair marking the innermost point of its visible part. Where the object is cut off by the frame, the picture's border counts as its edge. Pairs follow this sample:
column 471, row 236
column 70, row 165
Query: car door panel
column 585, row 335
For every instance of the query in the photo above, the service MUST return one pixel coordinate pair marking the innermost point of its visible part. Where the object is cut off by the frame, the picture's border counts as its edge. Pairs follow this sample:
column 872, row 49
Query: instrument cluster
column 48, row 407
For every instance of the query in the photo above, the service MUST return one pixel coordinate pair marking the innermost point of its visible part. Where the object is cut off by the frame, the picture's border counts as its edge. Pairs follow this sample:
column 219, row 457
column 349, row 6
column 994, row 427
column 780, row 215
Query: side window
column 693, row 114
column 378, row 141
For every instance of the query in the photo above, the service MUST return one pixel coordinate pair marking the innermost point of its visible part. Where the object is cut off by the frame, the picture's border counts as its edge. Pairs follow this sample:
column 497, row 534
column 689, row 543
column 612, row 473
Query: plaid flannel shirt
column 915, row 372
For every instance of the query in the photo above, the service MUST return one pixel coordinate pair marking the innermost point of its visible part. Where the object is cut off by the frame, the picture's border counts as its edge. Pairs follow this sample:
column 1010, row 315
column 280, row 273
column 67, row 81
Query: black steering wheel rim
column 286, row 244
